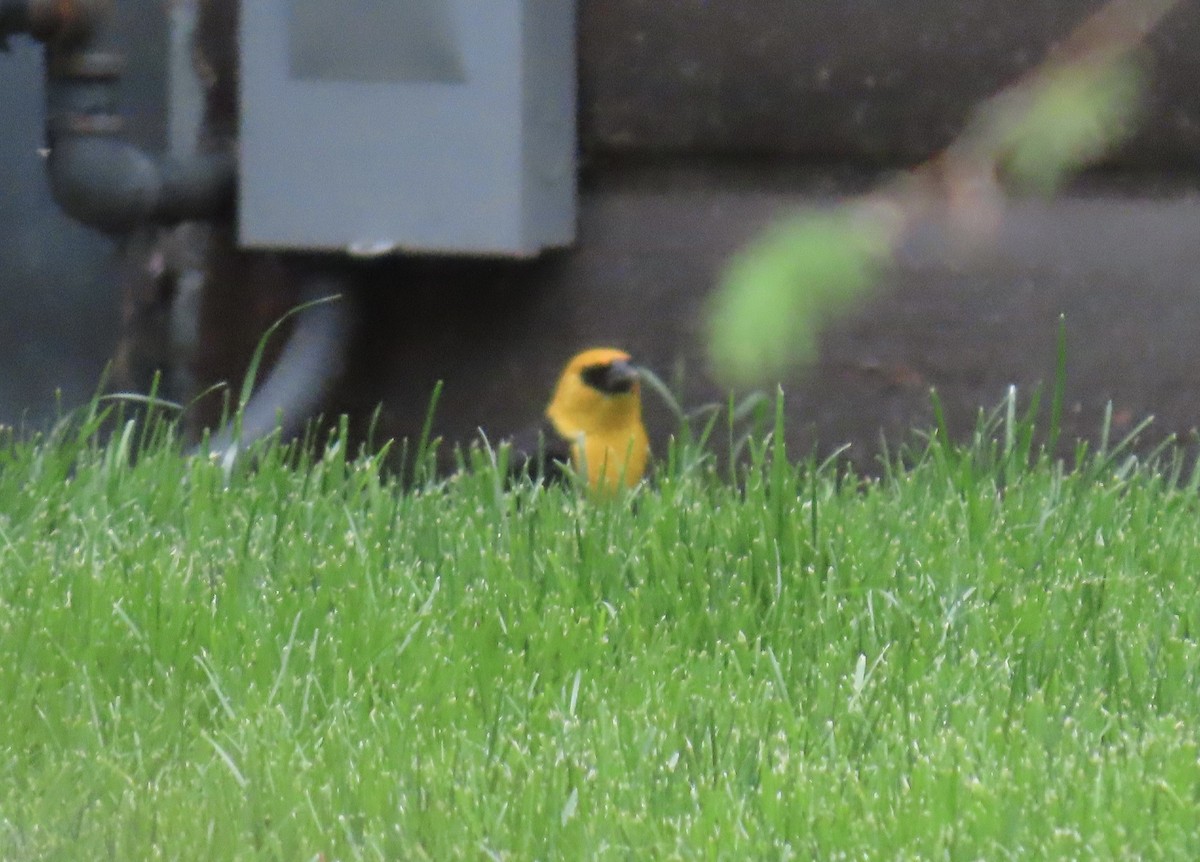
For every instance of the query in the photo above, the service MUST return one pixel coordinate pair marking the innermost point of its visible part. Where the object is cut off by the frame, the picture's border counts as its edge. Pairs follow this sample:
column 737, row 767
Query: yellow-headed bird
column 595, row 421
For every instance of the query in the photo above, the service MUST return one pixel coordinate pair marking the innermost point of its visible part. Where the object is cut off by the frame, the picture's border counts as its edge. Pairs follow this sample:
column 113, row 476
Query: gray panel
column 374, row 40
column 482, row 166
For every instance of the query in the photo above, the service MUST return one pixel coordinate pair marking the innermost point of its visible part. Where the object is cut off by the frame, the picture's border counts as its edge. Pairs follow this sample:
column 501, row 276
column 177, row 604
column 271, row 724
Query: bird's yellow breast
column 612, row 457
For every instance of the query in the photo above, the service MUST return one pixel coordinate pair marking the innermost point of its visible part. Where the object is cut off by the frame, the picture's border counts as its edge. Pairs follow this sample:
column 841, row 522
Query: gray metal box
column 408, row 125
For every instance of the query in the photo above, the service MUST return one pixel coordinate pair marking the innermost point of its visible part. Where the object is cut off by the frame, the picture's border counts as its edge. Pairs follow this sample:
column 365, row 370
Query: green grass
column 983, row 655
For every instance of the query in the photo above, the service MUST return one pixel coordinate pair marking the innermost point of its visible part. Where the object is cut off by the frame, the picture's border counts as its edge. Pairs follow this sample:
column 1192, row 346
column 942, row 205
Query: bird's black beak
column 621, row 376
column 611, row 378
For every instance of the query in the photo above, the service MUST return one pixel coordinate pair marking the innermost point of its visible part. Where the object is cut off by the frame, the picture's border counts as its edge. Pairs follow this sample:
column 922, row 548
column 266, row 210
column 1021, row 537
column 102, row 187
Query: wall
column 699, row 121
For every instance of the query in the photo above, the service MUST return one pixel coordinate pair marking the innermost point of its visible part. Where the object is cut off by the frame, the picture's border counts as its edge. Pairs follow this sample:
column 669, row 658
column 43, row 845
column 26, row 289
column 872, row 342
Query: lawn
column 984, row 654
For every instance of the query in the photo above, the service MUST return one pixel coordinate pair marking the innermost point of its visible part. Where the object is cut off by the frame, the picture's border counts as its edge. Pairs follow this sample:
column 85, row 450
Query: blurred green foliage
column 1074, row 118
column 778, row 293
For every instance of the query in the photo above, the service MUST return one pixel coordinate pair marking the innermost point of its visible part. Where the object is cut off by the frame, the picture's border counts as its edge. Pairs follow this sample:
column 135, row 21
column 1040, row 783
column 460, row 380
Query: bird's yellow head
column 597, row 408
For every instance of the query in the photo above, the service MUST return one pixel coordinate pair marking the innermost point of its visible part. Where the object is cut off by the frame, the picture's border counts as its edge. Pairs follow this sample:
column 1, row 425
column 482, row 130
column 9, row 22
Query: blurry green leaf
column 777, row 293
column 1080, row 113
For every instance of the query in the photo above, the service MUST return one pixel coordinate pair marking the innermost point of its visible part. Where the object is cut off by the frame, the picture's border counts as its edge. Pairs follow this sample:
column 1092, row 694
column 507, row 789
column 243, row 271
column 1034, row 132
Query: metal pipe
column 96, row 176
column 104, row 181
column 114, row 187
column 313, row 358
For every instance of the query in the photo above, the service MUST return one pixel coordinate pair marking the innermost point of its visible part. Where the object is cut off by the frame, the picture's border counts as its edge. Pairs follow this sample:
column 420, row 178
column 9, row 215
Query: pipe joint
column 113, row 186
column 96, row 176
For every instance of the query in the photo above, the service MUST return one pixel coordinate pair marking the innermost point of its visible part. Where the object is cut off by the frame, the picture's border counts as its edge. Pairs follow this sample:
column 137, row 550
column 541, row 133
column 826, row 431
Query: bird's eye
column 612, row 378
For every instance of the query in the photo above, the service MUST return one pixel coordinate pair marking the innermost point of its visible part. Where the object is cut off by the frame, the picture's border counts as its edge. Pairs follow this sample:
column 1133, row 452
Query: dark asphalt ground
column 1118, row 259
